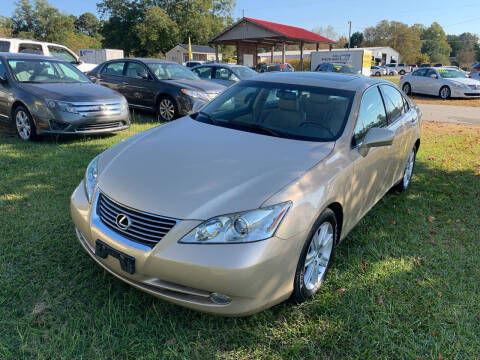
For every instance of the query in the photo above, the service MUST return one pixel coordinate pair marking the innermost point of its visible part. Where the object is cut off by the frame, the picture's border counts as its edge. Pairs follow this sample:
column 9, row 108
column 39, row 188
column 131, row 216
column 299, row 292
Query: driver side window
column 372, row 114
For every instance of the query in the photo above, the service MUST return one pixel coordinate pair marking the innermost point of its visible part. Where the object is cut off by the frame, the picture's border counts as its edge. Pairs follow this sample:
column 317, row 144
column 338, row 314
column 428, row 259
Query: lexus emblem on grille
column 123, row 221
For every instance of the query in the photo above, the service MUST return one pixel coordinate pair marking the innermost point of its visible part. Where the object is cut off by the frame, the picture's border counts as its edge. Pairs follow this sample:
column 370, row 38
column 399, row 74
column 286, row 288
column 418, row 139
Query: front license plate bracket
column 127, row 262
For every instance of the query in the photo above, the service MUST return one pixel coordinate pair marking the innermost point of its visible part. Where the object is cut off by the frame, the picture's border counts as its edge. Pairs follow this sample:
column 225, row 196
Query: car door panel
column 4, row 95
column 111, row 76
column 138, row 91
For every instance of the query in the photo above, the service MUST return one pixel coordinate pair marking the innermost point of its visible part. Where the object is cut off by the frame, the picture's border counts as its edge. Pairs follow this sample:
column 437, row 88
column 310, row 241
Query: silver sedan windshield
column 45, row 71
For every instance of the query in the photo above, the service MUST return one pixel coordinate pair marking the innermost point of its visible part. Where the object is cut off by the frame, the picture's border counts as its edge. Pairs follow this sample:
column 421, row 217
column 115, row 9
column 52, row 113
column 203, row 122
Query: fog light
column 220, row 299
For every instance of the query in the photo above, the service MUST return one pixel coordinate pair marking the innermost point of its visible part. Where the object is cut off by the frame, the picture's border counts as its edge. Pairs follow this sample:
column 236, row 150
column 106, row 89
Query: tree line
column 152, row 27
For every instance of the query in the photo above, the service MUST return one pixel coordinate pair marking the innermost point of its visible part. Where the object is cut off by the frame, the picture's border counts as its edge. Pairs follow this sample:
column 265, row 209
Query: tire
column 402, row 185
column 391, row 73
column 377, row 73
column 407, row 88
column 304, row 286
column 445, row 93
column 402, row 72
column 26, row 129
column 167, row 108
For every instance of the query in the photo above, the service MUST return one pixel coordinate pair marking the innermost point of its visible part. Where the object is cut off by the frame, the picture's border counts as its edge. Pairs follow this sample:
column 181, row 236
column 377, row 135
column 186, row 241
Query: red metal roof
column 291, row 31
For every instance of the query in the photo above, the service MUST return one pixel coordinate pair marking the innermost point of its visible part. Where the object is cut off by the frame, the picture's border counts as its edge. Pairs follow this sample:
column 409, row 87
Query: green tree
column 435, row 44
column 356, row 39
column 6, row 26
column 87, row 23
column 156, row 33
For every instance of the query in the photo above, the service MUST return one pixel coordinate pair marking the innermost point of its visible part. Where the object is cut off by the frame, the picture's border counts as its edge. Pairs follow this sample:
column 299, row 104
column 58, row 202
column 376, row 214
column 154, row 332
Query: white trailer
column 360, row 59
column 97, row 56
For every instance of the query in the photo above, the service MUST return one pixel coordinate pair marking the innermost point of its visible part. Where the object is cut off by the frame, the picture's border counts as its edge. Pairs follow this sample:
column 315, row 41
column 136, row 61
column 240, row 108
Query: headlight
column 193, row 93
column 90, row 180
column 248, row 226
column 124, row 105
column 62, row 106
column 459, row 85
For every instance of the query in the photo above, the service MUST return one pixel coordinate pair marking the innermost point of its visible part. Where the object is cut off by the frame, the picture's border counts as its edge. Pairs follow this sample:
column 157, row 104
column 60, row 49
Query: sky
column 454, row 16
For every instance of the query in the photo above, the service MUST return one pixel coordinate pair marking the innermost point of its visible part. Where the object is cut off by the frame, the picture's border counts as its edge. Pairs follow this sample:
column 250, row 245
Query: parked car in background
column 14, row 45
column 475, row 76
column 274, row 67
column 162, row 86
column 224, row 74
column 264, row 183
column 389, row 70
column 43, row 95
column 377, row 71
column 193, row 63
column 443, row 82
column 337, row 68
column 413, row 67
column 438, row 65
column 425, row 65
column 475, row 68
column 399, row 68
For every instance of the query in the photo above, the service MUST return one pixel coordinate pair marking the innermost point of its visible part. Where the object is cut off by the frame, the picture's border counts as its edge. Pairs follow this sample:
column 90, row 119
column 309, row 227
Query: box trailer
column 360, row 59
column 97, row 56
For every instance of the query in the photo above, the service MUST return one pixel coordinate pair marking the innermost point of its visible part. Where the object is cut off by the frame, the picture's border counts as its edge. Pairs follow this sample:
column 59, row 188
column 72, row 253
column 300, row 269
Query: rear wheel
column 167, row 108
column 316, row 257
column 407, row 89
column 445, row 92
column 402, row 72
column 377, row 73
column 24, row 124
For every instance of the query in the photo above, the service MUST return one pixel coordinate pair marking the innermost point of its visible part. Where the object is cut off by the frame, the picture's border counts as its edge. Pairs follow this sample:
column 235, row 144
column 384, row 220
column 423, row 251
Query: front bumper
column 254, row 276
column 69, row 123
column 465, row 93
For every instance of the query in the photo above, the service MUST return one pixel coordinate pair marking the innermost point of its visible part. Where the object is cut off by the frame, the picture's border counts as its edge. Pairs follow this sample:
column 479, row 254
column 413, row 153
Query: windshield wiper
column 256, row 128
column 209, row 117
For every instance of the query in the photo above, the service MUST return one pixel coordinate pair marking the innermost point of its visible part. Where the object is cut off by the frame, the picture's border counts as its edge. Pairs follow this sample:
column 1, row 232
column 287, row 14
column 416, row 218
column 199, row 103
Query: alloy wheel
column 445, row 93
column 318, row 256
column 409, row 169
column 166, row 109
column 406, row 89
column 23, row 125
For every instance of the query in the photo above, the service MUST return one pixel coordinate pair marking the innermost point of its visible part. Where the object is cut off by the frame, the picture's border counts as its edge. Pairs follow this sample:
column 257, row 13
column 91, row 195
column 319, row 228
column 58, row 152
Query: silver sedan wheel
column 406, row 89
column 445, row 93
column 409, row 169
column 23, row 125
column 166, row 109
column 318, row 256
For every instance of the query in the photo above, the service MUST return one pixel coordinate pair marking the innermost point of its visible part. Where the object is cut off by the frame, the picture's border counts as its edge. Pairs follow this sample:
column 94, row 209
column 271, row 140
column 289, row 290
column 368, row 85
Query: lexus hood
column 192, row 170
column 72, row 91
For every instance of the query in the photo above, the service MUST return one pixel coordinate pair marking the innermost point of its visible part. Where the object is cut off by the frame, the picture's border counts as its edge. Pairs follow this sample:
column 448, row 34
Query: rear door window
column 114, row 68
column 4, row 46
column 393, row 102
column 30, row 48
column 135, row 70
column 371, row 114
column 224, row 74
column 204, row 72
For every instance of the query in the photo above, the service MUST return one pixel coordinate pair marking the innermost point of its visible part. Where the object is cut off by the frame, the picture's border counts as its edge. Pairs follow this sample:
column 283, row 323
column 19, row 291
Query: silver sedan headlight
column 62, row 106
column 90, row 180
column 244, row 227
column 459, row 85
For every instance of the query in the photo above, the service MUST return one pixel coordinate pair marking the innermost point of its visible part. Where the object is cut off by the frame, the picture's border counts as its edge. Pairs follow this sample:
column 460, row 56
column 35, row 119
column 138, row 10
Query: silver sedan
column 442, row 81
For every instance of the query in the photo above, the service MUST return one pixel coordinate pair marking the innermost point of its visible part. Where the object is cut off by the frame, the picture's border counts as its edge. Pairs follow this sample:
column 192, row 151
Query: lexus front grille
column 144, row 228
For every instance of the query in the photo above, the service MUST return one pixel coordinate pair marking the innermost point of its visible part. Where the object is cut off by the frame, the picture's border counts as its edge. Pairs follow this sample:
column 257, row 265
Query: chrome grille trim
column 96, row 109
column 146, row 228
column 100, row 126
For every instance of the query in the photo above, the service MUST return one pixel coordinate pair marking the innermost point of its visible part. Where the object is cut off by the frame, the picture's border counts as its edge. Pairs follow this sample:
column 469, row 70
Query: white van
column 14, row 45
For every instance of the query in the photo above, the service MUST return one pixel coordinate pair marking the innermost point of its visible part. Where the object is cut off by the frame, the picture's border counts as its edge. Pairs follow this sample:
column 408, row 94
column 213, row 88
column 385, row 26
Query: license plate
column 127, row 262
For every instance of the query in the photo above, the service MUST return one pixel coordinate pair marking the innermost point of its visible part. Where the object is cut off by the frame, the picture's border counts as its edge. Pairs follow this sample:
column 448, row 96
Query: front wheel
column 407, row 173
column 167, row 108
column 316, row 257
column 24, row 123
column 445, row 92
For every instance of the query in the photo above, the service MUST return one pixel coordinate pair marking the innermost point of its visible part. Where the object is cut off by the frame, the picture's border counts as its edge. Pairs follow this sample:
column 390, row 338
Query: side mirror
column 434, row 76
column 376, row 137
column 3, row 79
column 144, row 75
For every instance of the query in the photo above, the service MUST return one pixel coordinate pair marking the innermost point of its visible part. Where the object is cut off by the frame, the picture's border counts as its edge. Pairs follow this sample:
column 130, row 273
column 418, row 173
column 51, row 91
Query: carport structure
column 248, row 35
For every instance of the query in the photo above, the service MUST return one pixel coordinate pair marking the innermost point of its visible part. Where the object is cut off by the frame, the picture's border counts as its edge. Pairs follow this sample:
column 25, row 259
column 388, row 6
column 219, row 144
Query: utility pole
column 243, row 13
column 349, row 33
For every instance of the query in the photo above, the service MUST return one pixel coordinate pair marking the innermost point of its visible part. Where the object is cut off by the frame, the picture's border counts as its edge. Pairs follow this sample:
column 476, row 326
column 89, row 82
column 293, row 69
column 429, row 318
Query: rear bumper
column 254, row 276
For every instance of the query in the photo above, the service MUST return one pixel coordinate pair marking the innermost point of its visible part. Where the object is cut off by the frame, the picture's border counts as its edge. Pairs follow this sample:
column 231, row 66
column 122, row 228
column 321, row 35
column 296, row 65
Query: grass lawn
column 404, row 285
column 426, row 99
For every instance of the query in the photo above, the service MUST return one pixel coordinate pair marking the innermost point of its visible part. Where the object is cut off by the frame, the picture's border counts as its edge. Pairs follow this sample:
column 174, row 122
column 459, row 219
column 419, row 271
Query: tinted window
column 224, row 74
column 285, row 110
column 4, row 46
column 171, row 71
column 430, row 72
column 204, row 72
column 420, row 72
column 393, row 102
column 30, row 49
column 245, row 72
column 45, row 71
column 371, row 114
column 115, row 68
column 62, row 54
column 136, row 70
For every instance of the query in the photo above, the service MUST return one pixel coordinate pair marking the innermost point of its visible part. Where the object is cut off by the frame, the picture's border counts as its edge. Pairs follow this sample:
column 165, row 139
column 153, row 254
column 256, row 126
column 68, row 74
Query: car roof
column 8, row 55
column 322, row 79
column 146, row 60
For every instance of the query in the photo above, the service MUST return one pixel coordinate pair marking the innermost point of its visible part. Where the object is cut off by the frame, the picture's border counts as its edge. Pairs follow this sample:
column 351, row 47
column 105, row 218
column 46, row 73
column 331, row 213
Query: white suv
column 61, row 52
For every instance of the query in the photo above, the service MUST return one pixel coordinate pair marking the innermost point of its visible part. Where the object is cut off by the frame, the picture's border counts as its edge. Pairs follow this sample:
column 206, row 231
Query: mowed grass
column 435, row 100
column 404, row 285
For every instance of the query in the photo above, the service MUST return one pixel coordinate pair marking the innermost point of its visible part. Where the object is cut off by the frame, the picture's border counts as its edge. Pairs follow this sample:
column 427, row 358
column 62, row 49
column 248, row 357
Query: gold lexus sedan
column 240, row 206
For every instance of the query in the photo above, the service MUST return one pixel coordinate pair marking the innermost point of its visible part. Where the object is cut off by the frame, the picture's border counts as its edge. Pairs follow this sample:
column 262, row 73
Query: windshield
column 168, row 71
column 348, row 69
column 282, row 110
column 451, row 73
column 45, row 71
column 245, row 72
